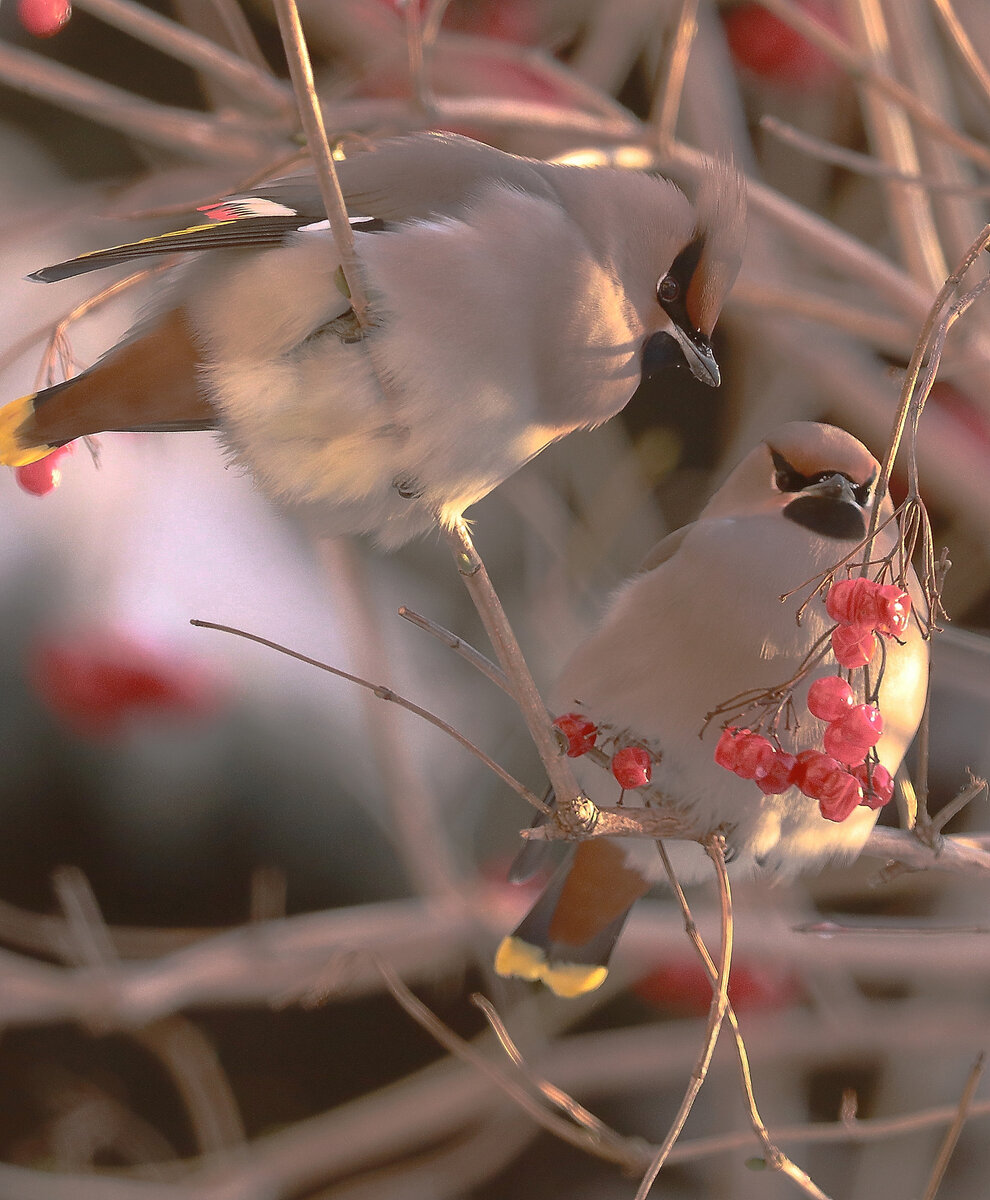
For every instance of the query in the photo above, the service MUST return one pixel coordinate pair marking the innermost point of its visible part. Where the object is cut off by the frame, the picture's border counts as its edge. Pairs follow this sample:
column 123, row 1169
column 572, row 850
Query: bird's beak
column 666, row 349
column 829, row 508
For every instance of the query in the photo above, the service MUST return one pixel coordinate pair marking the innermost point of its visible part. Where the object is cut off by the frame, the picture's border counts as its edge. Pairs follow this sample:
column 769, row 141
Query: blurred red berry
column 745, row 753
column 839, row 795
column 683, row 987
column 853, row 645
column 96, row 683
column 845, row 750
column 778, row 777
column 43, row 18
column 579, row 733
column 632, row 767
column 764, row 44
column 830, row 698
column 44, row 474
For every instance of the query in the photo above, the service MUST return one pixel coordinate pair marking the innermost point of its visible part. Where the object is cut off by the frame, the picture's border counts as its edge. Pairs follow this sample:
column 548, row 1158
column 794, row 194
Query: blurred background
column 196, row 831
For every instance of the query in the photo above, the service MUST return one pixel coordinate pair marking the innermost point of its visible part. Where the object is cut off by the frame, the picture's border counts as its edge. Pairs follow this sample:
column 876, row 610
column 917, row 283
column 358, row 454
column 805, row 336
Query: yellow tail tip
column 12, row 416
column 521, row 960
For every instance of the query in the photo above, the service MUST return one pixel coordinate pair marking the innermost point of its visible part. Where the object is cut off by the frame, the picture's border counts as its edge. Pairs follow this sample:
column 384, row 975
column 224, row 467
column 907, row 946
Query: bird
column 514, row 301
column 702, row 623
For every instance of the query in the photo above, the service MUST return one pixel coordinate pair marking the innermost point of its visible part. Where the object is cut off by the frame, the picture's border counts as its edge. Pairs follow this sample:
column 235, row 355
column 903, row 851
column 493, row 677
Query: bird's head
column 817, row 476
column 692, row 288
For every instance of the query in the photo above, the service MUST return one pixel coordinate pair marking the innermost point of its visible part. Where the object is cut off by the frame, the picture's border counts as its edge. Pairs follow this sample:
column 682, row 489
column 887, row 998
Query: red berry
column 845, row 750
column 893, row 610
column 96, row 683
column 745, row 753
column 878, row 784
column 830, row 698
column 778, row 778
column 44, row 18
column 44, row 474
column 853, row 602
column 862, row 725
column 632, row 767
column 839, row 795
column 768, row 47
column 682, row 986
column 853, row 645
column 812, row 772
column 579, row 732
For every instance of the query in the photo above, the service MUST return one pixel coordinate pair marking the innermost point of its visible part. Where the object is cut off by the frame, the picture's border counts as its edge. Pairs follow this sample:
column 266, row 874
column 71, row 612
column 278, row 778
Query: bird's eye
column 863, row 493
column 668, row 290
column 788, row 480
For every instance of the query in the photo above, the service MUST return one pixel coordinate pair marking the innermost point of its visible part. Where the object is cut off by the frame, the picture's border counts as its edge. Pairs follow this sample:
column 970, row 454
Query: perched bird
column 703, row 623
column 515, row 301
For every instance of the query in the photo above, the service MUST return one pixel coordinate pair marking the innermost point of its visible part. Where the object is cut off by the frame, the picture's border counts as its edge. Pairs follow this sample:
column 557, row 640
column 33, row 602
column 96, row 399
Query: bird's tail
column 566, row 939
column 15, row 447
column 148, row 383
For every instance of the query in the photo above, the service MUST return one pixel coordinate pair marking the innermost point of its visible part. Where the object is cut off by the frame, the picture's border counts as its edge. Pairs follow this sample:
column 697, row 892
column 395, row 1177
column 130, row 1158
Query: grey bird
column 515, row 301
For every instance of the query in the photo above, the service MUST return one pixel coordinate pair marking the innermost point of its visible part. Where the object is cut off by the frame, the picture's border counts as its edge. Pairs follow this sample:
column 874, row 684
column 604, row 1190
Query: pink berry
column 853, row 645
column 893, row 610
column 862, row 724
column 44, row 474
column 830, row 698
column 878, row 784
column 579, row 732
column 632, row 767
column 778, row 778
column 745, row 753
column 812, row 771
column 843, row 749
column 839, row 795
column 44, row 18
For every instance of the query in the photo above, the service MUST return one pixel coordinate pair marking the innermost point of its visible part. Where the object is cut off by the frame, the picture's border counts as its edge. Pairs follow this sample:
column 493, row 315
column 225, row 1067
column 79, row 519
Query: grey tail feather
column 532, row 856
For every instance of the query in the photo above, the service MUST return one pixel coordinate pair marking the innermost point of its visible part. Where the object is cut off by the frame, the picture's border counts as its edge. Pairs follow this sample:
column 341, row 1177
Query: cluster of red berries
column 864, row 608
column 838, row 787
column 632, row 766
column 846, row 774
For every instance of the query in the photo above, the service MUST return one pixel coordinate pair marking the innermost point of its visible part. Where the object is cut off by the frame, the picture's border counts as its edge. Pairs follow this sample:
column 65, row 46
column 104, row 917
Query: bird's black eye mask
column 789, row 479
column 672, row 289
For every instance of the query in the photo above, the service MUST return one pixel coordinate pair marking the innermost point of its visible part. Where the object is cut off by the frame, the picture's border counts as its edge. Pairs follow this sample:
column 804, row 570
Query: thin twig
column 964, row 46
column 257, row 87
column 819, row 34
column 311, row 115
column 475, row 576
column 555, row 1095
column 386, row 693
column 863, row 164
column 626, row 1152
column 772, row 1154
column 715, row 848
column 667, row 103
column 459, row 646
column 955, row 1129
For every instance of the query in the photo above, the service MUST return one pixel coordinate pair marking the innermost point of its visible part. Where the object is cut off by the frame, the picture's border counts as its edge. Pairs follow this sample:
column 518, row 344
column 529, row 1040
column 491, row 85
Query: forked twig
column 772, row 1154
column 626, row 1152
column 715, row 848
column 459, row 646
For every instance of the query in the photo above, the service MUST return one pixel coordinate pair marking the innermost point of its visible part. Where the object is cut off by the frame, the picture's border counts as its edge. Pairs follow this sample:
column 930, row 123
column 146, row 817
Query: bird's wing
column 402, row 179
